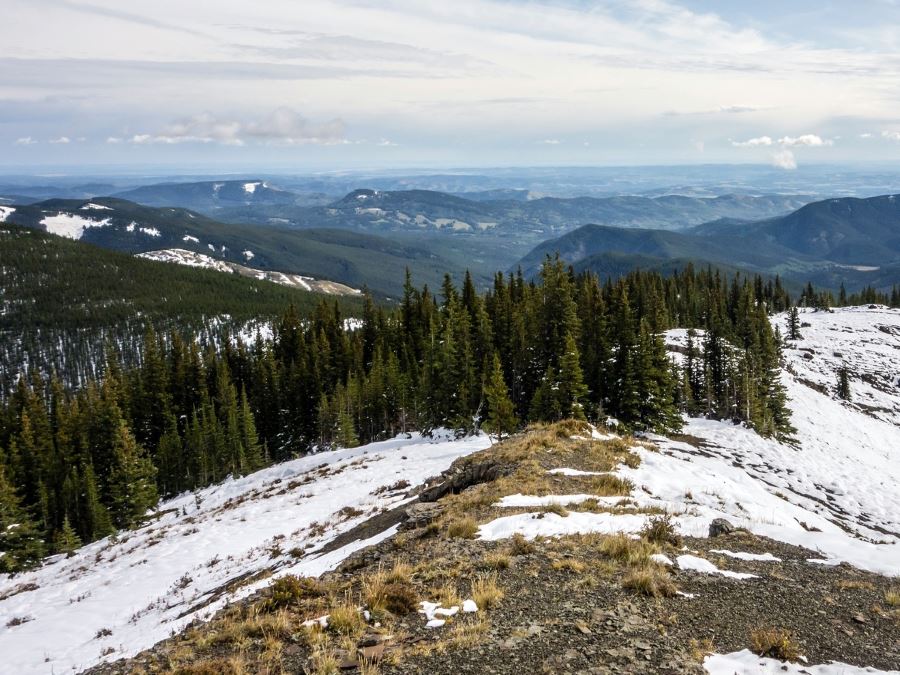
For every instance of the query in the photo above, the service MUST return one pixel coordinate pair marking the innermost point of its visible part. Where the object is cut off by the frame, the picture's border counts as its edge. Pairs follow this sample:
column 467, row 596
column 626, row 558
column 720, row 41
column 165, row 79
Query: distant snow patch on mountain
column 6, row 212
column 151, row 231
column 95, row 207
column 250, row 188
column 188, row 237
column 71, row 226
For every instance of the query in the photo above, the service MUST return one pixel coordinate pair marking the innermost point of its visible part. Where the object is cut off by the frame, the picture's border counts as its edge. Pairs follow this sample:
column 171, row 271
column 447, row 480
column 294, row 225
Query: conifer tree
column 132, row 480
column 21, row 543
column 501, row 419
column 67, row 540
column 794, row 324
column 843, row 386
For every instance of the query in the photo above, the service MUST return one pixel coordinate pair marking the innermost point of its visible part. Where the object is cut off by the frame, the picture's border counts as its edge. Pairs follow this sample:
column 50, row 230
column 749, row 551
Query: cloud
column 784, row 159
column 114, row 140
column 549, row 141
column 865, row 135
column 25, row 140
column 282, row 127
column 385, row 143
column 891, row 135
column 737, row 109
column 809, row 140
column 62, row 140
column 753, row 142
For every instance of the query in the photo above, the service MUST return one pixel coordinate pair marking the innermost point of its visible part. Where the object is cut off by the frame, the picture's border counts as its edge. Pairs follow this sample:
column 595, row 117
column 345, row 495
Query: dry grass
column 650, row 580
column 854, row 585
column 555, row 507
column 569, row 565
column 468, row 634
column 775, row 643
column 610, row 485
column 628, row 551
column 700, row 649
column 519, row 545
column 345, row 619
column 892, row 597
column 462, row 528
column 496, row 561
column 486, row 592
column 290, row 589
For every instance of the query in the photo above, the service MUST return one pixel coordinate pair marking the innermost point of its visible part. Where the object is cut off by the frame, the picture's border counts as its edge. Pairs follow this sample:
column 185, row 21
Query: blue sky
column 351, row 83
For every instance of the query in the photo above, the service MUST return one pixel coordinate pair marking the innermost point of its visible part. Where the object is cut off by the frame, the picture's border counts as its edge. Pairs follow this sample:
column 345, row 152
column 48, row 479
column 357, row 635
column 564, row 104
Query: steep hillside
column 63, row 300
column 353, row 259
column 545, row 553
column 180, row 256
column 850, row 231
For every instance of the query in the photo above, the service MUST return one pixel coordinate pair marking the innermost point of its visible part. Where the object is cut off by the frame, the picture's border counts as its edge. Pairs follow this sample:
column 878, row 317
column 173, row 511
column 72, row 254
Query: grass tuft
column 486, row 592
column 775, row 643
column 650, row 580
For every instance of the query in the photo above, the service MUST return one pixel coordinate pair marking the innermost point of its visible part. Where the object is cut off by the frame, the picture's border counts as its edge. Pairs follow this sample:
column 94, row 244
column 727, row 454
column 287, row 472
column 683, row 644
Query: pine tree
column 132, row 481
column 501, row 419
column 843, row 387
column 572, row 391
column 793, row 331
column 21, row 544
column 67, row 540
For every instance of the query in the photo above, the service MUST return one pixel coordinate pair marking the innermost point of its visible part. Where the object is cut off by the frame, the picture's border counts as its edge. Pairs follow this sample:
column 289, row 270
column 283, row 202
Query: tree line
column 77, row 464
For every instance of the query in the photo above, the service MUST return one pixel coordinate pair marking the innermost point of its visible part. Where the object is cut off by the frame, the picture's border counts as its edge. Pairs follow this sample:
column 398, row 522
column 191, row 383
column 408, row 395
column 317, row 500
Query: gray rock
column 421, row 514
column 720, row 526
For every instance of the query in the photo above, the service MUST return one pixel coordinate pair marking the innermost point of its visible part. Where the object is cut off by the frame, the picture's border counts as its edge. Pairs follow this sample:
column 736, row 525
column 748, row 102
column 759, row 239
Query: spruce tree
column 501, row 418
column 843, row 386
column 67, row 540
column 21, row 543
column 794, row 324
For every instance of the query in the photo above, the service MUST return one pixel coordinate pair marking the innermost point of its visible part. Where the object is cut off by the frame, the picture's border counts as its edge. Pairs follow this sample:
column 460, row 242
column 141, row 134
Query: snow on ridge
column 182, row 256
column 250, row 188
column 6, row 212
column 138, row 585
column 188, row 237
column 70, row 225
column 90, row 206
column 151, row 231
column 248, row 254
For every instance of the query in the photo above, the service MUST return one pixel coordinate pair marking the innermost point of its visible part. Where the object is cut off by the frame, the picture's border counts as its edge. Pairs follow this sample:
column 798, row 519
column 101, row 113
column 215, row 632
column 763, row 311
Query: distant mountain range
column 351, row 258
column 854, row 241
column 209, row 197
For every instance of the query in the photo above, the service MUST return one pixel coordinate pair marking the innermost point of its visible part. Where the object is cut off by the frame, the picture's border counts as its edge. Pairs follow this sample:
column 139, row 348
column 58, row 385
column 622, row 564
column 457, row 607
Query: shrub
column 497, row 561
column 775, row 643
column 519, row 545
column 290, row 589
column 400, row 598
column 892, row 597
column 661, row 530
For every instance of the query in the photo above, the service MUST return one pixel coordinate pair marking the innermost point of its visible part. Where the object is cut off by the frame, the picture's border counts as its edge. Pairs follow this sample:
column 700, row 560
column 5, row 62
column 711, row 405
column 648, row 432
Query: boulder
column 720, row 526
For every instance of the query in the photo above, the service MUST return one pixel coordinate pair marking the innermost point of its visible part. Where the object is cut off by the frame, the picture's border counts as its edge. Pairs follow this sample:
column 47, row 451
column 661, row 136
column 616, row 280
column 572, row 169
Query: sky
column 363, row 83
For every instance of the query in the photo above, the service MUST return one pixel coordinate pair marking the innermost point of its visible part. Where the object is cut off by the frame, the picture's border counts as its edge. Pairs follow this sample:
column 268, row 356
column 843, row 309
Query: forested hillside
column 62, row 301
column 78, row 463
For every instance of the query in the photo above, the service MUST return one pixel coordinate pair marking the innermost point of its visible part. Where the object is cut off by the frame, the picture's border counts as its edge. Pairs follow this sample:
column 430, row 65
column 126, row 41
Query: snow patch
column 6, row 212
column 747, row 663
column 694, row 564
column 95, row 207
column 70, row 226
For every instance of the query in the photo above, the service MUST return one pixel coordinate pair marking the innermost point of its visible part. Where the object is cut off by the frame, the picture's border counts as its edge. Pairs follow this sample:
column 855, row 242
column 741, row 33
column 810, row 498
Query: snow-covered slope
column 182, row 256
column 145, row 584
column 835, row 491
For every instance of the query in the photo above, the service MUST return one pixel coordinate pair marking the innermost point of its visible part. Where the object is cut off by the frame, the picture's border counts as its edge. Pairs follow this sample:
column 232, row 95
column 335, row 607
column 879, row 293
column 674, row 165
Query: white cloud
column 809, row 140
column 784, row 159
column 753, row 142
column 281, row 127
column 865, row 135
column 738, row 108
column 62, row 140
column 385, row 143
column 25, row 140
column 550, row 141
column 891, row 135
column 113, row 140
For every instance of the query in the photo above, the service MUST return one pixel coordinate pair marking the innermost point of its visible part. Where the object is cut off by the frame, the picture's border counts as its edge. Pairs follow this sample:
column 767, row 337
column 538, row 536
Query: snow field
column 148, row 583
